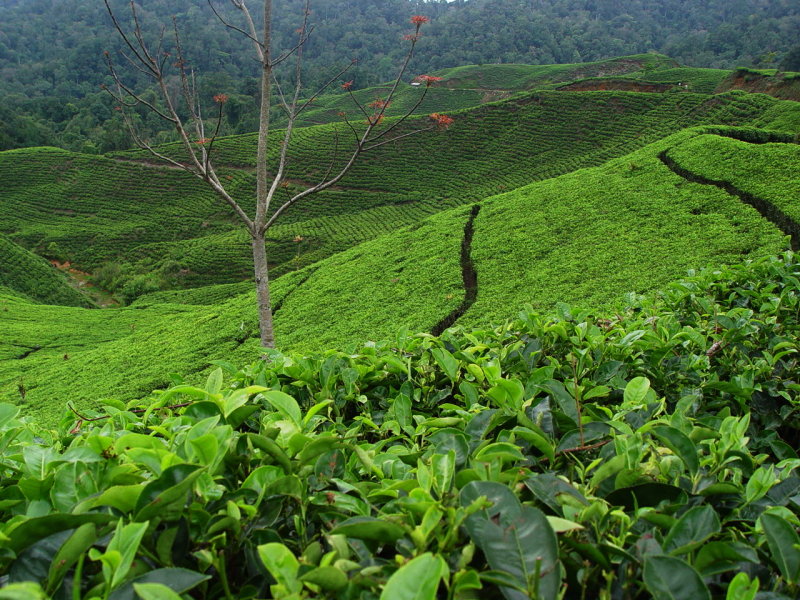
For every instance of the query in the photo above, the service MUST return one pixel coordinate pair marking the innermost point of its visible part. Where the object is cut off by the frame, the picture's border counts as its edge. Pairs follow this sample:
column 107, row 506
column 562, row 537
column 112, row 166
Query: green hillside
column 492, row 148
column 140, row 227
column 492, row 372
column 471, row 85
column 29, row 275
column 585, row 238
column 548, row 197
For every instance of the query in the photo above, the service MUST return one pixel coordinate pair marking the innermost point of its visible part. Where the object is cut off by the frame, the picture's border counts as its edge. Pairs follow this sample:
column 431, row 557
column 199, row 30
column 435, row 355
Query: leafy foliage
column 570, row 455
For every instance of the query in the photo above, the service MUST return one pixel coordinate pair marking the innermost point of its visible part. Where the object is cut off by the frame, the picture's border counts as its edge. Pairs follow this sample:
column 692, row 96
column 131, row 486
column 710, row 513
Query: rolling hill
column 493, row 369
column 546, row 197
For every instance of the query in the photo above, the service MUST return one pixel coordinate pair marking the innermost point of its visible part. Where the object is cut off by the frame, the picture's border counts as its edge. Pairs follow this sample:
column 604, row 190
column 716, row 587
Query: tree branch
column 232, row 26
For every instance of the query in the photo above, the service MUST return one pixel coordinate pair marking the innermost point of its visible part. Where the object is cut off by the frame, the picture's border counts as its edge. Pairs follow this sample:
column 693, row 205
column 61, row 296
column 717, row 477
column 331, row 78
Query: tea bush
column 646, row 455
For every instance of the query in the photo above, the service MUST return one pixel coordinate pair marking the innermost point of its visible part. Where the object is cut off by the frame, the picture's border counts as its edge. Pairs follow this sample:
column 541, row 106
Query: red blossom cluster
column 379, row 104
column 428, row 80
column 221, row 98
column 419, row 20
column 442, row 121
column 375, row 119
column 347, row 85
column 412, row 37
column 202, row 141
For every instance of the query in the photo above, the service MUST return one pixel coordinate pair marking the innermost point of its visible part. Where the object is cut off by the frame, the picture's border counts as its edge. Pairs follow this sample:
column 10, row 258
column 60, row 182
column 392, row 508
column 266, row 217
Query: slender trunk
column 262, row 184
column 262, row 291
column 262, row 191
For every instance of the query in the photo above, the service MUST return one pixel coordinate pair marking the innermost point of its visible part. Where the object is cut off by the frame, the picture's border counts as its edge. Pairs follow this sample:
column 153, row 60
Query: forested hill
column 51, row 51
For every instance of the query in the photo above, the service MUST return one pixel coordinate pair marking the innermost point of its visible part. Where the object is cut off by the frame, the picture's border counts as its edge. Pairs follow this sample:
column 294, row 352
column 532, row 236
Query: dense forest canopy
column 51, row 51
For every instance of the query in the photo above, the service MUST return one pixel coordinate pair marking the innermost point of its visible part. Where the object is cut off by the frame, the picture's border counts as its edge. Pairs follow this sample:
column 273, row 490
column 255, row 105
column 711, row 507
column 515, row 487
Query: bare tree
column 198, row 134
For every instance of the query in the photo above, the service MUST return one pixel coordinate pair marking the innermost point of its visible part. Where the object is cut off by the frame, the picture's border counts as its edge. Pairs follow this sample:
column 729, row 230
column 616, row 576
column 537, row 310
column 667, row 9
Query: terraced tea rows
column 770, row 171
column 511, row 143
column 472, row 85
column 90, row 210
column 34, row 278
column 587, row 237
column 173, row 226
column 584, row 238
column 526, row 77
column 411, row 277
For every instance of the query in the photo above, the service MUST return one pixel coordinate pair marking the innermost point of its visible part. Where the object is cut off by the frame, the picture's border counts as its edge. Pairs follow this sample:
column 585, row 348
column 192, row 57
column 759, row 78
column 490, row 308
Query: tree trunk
column 262, row 291
column 262, row 189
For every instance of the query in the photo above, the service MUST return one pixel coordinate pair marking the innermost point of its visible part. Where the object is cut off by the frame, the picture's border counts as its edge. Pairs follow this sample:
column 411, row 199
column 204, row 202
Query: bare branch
column 126, row 39
column 294, row 49
column 408, row 113
column 335, row 154
column 137, row 98
column 325, row 86
column 281, row 96
column 136, row 65
column 352, row 128
column 232, row 26
column 358, row 104
column 262, row 47
column 137, row 31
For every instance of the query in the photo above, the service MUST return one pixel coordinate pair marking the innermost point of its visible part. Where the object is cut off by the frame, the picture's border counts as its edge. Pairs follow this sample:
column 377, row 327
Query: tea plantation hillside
column 140, row 227
column 585, row 238
column 492, row 148
column 494, row 378
column 30, row 275
column 471, row 85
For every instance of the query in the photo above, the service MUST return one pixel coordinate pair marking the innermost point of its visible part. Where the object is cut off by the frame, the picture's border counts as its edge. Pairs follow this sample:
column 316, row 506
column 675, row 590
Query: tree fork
column 199, row 148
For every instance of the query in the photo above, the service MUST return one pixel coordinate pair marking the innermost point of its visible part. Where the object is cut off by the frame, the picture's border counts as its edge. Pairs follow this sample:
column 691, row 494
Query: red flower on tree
column 428, row 80
column 221, row 98
column 347, row 85
column 442, row 121
column 379, row 103
column 419, row 20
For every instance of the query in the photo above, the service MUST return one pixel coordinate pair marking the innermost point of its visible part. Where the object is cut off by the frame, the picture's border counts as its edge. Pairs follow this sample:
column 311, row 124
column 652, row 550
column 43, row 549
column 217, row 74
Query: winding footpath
column 468, row 274
column 767, row 210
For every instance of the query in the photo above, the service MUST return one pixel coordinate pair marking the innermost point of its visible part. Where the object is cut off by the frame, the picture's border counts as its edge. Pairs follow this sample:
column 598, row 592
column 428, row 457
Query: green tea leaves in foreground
column 670, row 578
column 517, row 540
column 784, row 545
column 418, row 579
